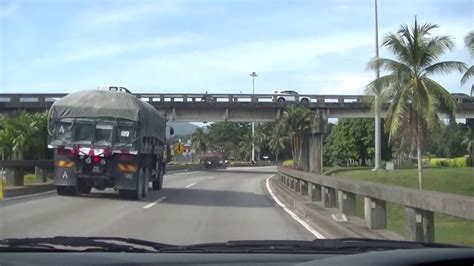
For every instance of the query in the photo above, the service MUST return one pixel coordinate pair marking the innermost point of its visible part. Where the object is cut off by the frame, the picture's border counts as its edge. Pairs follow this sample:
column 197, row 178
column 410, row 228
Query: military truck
column 107, row 139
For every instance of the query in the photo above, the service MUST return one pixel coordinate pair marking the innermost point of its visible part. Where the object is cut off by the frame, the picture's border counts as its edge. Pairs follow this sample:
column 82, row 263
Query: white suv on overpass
column 290, row 96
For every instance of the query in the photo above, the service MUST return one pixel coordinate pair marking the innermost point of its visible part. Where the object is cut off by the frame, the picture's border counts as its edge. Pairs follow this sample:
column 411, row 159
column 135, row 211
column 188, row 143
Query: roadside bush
column 446, row 162
column 460, row 162
column 288, row 163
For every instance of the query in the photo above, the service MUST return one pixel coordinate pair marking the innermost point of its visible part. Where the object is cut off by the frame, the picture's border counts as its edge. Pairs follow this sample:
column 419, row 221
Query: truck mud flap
column 65, row 176
column 126, row 180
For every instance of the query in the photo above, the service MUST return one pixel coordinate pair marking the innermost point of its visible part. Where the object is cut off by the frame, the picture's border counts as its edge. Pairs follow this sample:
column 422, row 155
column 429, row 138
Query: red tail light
column 96, row 159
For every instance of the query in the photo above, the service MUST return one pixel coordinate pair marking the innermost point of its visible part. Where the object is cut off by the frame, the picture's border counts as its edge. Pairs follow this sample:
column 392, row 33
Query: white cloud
column 111, row 49
column 8, row 10
column 130, row 12
column 262, row 56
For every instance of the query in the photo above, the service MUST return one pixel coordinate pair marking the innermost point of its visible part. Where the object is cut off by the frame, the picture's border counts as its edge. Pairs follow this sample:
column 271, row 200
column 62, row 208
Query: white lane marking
column 190, row 185
column 292, row 214
column 31, row 195
column 154, row 203
column 211, row 177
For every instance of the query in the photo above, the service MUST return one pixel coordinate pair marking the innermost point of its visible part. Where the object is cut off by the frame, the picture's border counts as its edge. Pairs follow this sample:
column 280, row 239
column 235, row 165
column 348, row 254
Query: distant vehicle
column 290, row 96
column 104, row 139
column 213, row 160
column 114, row 88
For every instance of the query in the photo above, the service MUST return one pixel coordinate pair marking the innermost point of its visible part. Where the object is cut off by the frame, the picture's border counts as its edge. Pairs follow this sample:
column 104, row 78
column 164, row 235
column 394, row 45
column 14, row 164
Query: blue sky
column 318, row 47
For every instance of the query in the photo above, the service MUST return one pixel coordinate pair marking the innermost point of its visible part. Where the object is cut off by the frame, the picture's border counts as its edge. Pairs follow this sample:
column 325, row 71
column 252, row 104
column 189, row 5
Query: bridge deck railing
column 420, row 205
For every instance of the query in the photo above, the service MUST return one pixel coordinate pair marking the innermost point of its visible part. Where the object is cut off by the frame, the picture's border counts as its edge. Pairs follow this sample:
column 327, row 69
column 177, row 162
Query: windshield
column 103, row 134
column 199, row 121
column 83, row 132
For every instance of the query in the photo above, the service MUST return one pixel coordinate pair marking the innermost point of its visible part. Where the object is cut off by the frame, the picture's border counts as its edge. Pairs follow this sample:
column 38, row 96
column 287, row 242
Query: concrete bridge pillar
column 347, row 203
column 304, row 188
column 41, row 174
column 297, row 185
column 315, row 143
column 419, row 225
column 14, row 176
column 329, row 197
column 375, row 213
column 315, row 192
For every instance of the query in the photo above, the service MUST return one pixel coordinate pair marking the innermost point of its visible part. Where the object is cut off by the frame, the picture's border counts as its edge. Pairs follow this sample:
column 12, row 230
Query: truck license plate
column 96, row 169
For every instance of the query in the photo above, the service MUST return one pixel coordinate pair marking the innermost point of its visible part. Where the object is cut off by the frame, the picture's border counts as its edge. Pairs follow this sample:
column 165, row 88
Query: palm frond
column 469, row 42
column 398, row 46
column 445, row 67
column 435, row 47
column 445, row 101
column 468, row 75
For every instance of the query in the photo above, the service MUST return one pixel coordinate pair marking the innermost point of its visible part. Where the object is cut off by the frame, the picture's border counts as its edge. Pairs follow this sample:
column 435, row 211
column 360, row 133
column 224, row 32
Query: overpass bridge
column 228, row 107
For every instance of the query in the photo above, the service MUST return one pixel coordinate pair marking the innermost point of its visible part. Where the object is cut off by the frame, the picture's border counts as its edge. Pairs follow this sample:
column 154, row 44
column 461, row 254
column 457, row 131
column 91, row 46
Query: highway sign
column 179, row 148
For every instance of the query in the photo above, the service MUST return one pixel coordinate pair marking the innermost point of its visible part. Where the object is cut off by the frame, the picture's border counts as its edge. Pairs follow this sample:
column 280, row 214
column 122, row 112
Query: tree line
column 24, row 136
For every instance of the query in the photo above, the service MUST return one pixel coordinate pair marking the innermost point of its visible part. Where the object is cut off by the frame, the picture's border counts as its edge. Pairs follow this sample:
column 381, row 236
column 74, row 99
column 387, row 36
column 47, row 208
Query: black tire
column 138, row 192
column 281, row 100
column 158, row 184
column 84, row 188
column 61, row 190
column 67, row 190
column 305, row 102
column 125, row 194
column 146, row 183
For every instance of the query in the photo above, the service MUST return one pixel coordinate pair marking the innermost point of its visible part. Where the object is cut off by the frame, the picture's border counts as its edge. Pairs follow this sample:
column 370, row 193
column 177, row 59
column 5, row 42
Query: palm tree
column 259, row 140
column 415, row 99
column 296, row 119
column 199, row 141
column 278, row 140
column 469, row 41
column 245, row 147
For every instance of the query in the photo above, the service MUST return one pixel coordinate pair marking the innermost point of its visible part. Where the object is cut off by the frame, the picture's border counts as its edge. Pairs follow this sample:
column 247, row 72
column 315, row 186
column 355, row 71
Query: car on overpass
column 283, row 96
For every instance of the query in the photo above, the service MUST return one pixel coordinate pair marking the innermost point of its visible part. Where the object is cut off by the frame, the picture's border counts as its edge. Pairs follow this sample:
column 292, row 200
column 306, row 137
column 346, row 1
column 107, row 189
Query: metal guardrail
column 26, row 163
column 48, row 98
column 419, row 204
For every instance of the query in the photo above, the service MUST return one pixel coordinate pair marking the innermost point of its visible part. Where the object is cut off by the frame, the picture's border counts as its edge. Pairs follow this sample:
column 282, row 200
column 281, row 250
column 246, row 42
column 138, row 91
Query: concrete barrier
column 419, row 204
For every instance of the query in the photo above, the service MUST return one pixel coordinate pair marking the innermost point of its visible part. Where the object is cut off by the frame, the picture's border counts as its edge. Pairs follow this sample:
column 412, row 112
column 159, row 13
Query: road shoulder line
column 291, row 213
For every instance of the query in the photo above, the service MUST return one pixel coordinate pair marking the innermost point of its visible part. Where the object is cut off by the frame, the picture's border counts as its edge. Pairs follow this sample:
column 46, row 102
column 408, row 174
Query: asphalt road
column 193, row 207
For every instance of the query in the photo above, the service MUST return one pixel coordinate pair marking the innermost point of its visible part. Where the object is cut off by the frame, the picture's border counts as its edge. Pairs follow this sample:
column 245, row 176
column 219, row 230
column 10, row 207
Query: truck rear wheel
column 158, row 184
column 146, row 183
column 136, row 194
column 67, row 190
column 83, row 187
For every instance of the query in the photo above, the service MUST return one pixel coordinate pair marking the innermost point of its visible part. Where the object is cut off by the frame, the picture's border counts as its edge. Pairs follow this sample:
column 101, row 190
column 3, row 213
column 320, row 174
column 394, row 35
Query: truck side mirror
column 171, row 131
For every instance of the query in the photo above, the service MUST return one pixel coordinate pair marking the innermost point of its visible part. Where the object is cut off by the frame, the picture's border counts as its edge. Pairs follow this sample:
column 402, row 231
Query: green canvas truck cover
column 111, row 104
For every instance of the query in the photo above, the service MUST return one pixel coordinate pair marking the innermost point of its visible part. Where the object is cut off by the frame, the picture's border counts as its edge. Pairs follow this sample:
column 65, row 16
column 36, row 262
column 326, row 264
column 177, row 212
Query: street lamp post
column 378, row 129
column 253, row 75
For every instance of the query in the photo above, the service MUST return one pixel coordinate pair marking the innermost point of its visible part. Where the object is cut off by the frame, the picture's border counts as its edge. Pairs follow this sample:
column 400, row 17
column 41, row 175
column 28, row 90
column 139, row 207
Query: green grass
column 448, row 229
column 31, row 179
